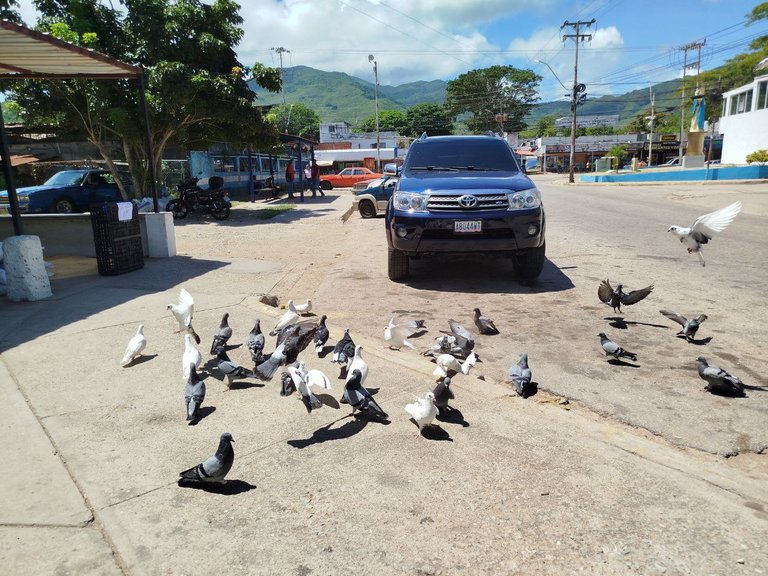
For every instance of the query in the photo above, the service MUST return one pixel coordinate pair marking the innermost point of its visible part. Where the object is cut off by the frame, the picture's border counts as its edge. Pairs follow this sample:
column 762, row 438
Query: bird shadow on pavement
column 435, row 433
column 621, row 324
column 617, row 362
column 452, row 415
column 325, row 351
column 699, row 342
column 328, row 400
column 140, row 360
column 229, row 488
column 202, row 412
column 326, row 433
column 245, row 384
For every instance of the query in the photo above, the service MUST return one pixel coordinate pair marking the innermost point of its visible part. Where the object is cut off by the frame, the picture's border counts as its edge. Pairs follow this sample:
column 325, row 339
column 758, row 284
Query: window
column 762, row 95
column 331, row 129
column 741, row 103
column 733, row 105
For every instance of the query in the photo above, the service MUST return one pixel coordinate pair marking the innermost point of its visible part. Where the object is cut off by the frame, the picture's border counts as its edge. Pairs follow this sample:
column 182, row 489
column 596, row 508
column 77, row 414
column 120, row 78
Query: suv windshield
column 450, row 156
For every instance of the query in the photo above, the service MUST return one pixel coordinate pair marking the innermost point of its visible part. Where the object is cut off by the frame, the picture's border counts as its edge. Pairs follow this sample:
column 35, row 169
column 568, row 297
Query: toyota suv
column 464, row 194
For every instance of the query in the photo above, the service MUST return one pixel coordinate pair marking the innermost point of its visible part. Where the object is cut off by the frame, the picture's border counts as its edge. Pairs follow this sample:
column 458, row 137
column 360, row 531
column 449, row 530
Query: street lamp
column 376, row 93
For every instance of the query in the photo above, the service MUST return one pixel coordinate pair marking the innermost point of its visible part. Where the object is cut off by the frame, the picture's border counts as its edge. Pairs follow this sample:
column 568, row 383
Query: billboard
column 589, row 121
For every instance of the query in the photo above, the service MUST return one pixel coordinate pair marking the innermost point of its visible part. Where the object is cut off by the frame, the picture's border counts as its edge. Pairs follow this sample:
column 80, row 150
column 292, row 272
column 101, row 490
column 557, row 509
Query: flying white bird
column 423, row 411
column 183, row 311
column 448, row 363
column 704, row 227
column 191, row 356
column 396, row 333
column 289, row 317
column 135, row 346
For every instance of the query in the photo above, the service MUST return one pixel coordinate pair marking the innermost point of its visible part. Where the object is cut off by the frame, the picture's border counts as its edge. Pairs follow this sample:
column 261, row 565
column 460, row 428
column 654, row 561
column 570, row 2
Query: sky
column 632, row 43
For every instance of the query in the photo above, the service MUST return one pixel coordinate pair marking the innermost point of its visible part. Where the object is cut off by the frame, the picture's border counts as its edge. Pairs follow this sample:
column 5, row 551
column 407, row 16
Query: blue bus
column 236, row 169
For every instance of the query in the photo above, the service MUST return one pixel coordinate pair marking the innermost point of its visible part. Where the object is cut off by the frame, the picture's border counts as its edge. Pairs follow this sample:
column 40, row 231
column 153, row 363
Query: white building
column 744, row 120
column 338, row 132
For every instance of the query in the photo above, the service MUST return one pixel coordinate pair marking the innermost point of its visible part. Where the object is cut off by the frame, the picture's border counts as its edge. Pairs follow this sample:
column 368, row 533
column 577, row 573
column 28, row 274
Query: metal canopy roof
column 25, row 53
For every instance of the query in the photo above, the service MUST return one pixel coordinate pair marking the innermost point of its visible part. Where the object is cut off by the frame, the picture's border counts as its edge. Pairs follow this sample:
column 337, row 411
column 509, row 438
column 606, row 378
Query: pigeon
column 359, row 398
column 303, row 309
column 520, row 374
column 396, row 333
column 183, row 311
column 287, row 386
column 445, row 344
column 135, row 346
column 191, row 355
column 230, row 369
column 448, row 363
column 194, row 394
column 267, row 369
column 289, row 317
column 464, row 339
column 612, row 349
column 321, row 335
column 718, row 380
column 358, row 364
column 344, row 349
column 296, row 338
column 704, row 227
column 223, row 334
column 690, row 327
column 303, row 381
column 423, row 411
column 255, row 342
column 615, row 298
column 443, row 394
column 484, row 324
column 216, row 467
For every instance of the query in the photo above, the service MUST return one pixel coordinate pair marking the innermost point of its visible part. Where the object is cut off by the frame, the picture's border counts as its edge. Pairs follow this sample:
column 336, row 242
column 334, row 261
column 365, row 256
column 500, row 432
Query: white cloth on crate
column 124, row 211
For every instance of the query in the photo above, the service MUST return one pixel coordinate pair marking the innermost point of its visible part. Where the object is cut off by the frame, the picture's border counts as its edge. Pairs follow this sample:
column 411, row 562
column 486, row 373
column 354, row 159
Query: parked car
column 673, row 162
column 464, row 194
column 371, row 196
column 66, row 192
column 347, row 178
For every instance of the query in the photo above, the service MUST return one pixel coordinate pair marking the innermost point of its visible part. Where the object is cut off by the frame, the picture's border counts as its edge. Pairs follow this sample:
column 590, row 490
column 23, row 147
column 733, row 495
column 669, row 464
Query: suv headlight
column 410, row 202
column 524, row 199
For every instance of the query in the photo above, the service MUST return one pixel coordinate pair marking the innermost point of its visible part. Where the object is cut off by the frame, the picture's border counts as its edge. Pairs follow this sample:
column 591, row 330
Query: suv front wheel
column 530, row 263
column 397, row 265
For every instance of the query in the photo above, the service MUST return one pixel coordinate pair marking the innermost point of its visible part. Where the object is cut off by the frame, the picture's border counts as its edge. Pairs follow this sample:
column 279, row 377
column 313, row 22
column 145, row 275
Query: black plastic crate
column 118, row 243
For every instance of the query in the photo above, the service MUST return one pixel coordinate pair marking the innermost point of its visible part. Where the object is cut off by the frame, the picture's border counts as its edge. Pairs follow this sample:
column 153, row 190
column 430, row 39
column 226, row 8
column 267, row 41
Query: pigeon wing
column 636, row 295
column 317, row 378
column 682, row 320
column 605, row 291
column 186, row 308
column 716, row 221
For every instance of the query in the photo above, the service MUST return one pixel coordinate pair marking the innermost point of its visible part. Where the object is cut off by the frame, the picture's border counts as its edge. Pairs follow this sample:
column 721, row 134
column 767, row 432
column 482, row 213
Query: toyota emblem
column 467, row 201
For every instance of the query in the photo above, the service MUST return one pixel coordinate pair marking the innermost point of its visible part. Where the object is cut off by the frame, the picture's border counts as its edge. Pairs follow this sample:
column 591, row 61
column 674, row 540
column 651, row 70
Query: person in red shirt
column 290, row 175
column 316, row 179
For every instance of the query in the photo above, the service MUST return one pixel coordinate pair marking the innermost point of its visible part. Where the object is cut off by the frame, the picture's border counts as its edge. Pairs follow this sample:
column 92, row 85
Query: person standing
column 315, row 173
column 289, row 177
column 308, row 178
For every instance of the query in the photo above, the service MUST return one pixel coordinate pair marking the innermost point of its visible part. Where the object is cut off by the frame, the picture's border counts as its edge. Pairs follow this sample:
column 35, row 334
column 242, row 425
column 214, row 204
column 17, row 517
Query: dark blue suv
column 465, row 194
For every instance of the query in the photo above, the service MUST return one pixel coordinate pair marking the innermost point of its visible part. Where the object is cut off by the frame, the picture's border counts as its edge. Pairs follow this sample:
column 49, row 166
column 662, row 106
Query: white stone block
column 24, row 266
column 161, row 235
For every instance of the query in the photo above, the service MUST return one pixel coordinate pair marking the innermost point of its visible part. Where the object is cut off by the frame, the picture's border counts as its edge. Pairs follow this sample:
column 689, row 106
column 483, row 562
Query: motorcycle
column 192, row 198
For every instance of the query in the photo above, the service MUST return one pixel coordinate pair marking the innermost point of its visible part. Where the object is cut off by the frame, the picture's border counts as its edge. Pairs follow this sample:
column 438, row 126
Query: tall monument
column 694, row 155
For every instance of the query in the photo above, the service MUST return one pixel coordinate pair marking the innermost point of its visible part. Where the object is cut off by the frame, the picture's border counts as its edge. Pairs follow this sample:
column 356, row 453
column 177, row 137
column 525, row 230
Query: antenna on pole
column 280, row 51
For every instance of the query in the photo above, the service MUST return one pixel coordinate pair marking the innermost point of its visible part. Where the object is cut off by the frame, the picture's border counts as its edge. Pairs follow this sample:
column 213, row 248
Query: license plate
column 468, row 226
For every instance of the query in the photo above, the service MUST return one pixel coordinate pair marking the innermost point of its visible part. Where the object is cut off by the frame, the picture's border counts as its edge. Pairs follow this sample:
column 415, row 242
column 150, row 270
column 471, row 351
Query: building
column 744, row 120
column 340, row 135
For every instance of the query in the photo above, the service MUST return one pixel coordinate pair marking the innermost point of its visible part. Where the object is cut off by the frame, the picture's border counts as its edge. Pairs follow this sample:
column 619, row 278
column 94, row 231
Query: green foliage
column 545, row 126
column 430, row 118
column 388, row 120
column 488, row 92
column 302, row 120
column 8, row 11
column 619, row 151
column 758, row 156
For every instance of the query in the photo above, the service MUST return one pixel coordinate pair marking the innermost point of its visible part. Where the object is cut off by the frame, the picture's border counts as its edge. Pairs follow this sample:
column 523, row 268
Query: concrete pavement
column 510, row 486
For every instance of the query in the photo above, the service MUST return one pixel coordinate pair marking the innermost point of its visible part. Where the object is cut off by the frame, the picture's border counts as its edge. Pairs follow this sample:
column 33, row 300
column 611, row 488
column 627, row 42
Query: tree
column 8, row 11
column 302, row 120
column 619, row 151
column 389, row 121
column 196, row 87
column 503, row 92
column 430, row 118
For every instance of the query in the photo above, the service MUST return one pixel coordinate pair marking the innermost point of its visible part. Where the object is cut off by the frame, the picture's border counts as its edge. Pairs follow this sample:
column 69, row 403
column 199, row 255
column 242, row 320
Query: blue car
column 66, row 192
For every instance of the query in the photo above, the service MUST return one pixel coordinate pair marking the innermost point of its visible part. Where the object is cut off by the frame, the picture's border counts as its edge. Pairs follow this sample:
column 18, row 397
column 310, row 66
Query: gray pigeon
column 690, row 327
column 612, row 349
column 230, row 369
column 321, row 335
column 520, row 374
column 616, row 297
column 443, row 394
column 344, row 349
column 718, row 380
column 287, row 385
column 255, row 343
column 484, row 324
column 267, row 369
column 216, row 467
column 194, row 394
column 464, row 338
column 359, row 398
column 223, row 334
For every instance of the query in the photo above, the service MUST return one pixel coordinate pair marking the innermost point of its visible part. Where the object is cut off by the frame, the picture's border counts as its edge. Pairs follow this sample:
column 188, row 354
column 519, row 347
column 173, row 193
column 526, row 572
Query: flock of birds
column 452, row 352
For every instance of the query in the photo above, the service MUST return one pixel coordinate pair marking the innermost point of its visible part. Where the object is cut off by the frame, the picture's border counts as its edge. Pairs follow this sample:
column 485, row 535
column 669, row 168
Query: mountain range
column 339, row 97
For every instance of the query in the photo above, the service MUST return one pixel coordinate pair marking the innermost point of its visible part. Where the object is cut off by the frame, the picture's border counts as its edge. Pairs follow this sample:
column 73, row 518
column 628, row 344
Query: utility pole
column 376, row 96
column 686, row 66
column 576, row 97
column 652, row 117
column 280, row 51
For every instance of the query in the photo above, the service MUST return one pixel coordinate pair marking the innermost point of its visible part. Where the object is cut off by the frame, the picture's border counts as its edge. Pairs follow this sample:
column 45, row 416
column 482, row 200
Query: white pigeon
column 303, row 308
column 397, row 333
column 191, row 355
column 289, row 317
column 423, row 411
column 304, row 380
column 183, row 312
column 135, row 346
column 704, row 227
column 448, row 362
column 358, row 364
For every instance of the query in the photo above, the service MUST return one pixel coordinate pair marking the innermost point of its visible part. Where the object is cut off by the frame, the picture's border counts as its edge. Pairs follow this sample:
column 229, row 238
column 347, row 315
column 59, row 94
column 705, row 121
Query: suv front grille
column 450, row 202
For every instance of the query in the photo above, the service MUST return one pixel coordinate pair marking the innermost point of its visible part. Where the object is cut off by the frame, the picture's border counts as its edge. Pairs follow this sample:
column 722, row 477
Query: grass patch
column 272, row 211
